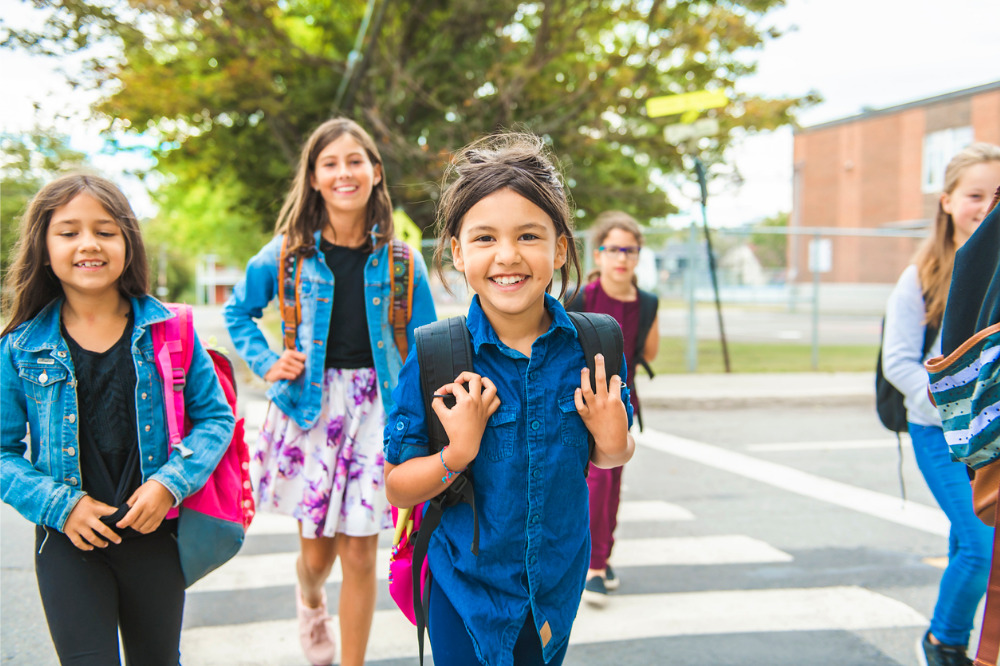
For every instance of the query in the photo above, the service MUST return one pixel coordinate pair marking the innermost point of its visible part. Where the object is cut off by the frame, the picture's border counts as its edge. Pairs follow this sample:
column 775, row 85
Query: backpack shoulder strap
column 444, row 350
column 599, row 333
column 172, row 347
column 289, row 277
column 401, row 282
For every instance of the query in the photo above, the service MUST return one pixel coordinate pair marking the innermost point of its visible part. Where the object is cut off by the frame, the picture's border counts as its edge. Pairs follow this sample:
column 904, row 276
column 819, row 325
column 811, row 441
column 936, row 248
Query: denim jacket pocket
column 43, row 383
column 501, row 429
column 572, row 430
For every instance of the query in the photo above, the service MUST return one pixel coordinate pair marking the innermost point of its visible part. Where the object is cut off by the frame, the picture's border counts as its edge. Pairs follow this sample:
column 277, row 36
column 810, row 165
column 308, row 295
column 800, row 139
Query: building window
column 939, row 148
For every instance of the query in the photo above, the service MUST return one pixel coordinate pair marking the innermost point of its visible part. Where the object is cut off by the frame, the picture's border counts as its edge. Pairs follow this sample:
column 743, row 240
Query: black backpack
column 444, row 350
column 888, row 399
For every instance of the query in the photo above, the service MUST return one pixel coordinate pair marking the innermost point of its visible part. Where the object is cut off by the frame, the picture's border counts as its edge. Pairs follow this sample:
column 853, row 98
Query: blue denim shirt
column 531, row 492
column 300, row 398
column 39, row 398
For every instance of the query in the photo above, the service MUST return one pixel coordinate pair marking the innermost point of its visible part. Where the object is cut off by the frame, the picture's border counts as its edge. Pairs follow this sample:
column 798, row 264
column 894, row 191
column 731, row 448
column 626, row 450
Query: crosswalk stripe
column 644, row 511
column 887, row 507
column 278, row 569
column 626, row 617
column 845, row 445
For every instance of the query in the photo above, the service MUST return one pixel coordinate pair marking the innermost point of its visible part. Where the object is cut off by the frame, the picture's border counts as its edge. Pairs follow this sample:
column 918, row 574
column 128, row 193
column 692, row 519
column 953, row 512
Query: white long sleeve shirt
column 902, row 348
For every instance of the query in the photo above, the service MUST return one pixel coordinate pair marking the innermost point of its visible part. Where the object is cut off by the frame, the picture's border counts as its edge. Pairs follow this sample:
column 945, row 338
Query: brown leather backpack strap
column 989, row 638
column 289, row 277
column 401, row 286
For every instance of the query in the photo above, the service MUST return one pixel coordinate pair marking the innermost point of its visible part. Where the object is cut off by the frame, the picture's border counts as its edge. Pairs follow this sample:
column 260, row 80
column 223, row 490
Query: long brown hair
column 304, row 211
column 604, row 224
column 30, row 282
column 935, row 257
column 515, row 161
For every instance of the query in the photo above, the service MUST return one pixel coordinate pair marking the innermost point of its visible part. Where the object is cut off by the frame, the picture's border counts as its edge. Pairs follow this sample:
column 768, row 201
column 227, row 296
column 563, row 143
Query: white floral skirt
column 329, row 477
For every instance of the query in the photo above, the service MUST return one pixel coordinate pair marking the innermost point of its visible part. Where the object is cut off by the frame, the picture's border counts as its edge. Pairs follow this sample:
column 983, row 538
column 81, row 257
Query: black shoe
column 595, row 593
column 610, row 579
column 942, row 655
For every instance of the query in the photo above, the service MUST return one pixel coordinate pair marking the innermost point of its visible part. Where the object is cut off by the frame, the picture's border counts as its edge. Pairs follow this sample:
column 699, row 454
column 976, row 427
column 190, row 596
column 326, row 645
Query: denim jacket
column 39, row 398
column 299, row 399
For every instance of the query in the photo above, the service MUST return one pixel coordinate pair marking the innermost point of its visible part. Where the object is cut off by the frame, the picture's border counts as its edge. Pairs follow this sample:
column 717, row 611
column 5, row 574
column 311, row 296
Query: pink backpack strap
column 173, row 346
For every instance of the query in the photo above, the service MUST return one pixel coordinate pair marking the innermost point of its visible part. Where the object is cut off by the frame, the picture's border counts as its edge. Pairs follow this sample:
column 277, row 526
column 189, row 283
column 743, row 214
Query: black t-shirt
column 347, row 345
column 105, row 395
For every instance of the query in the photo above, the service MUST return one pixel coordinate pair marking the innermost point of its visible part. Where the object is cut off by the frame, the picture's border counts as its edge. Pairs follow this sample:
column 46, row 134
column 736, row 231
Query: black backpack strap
column 575, row 303
column 444, row 351
column 599, row 333
column 648, row 305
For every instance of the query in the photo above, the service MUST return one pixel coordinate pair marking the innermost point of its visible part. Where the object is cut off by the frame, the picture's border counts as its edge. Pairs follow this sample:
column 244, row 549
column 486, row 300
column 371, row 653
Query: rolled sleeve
column 406, row 425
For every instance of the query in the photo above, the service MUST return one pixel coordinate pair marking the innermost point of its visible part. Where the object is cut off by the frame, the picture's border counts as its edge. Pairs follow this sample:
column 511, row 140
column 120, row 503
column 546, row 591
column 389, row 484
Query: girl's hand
column 604, row 414
column 466, row 421
column 84, row 527
column 289, row 366
column 147, row 507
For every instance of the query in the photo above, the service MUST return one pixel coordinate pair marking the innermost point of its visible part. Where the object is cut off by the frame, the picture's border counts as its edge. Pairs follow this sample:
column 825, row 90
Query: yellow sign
column 406, row 229
column 671, row 105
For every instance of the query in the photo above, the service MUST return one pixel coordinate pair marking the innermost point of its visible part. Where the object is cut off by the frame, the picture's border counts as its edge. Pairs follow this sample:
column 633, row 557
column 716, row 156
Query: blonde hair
column 935, row 257
column 604, row 224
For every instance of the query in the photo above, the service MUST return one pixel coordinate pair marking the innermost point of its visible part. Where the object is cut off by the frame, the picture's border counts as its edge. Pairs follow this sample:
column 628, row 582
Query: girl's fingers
column 600, row 375
column 585, row 388
column 581, row 406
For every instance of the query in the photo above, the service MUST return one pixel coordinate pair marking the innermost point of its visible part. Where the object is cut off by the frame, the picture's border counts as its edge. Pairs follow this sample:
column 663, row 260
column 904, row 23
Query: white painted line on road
column 843, row 445
column 879, row 505
column 626, row 617
column 246, row 572
column 651, row 511
column 694, row 551
column 628, row 512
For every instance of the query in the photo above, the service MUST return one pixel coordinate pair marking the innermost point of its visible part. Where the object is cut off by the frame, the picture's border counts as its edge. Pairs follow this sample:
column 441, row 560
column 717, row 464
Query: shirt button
column 61, row 354
column 72, row 481
column 385, row 384
column 71, row 418
column 376, row 300
column 399, row 426
column 535, row 425
column 147, row 428
column 536, row 473
column 534, row 519
column 150, row 458
column 374, row 262
column 532, row 559
column 43, row 378
column 381, row 344
column 71, row 452
column 143, row 396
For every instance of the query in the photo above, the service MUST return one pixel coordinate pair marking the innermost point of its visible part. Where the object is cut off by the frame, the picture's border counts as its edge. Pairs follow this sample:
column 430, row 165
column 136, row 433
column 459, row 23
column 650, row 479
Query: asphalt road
column 764, row 536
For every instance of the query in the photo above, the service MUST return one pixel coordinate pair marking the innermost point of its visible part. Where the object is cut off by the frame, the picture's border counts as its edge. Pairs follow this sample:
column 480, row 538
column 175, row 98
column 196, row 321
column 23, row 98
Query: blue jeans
column 970, row 542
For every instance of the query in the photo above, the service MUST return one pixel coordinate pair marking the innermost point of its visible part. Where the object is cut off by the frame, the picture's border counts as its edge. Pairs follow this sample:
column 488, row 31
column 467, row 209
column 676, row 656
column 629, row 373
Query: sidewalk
column 715, row 391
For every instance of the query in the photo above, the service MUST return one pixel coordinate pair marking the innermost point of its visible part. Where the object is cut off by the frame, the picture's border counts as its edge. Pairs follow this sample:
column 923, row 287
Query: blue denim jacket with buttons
column 299, row 399
column 39, row 399
column 530, row 486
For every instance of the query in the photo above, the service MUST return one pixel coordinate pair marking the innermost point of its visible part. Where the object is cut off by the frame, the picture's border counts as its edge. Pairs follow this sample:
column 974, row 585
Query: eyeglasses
column 628, row 251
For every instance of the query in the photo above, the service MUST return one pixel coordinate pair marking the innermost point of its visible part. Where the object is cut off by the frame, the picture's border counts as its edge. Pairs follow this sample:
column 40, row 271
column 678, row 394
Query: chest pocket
column 572, row 430
column 43, row 383
column 501, row 429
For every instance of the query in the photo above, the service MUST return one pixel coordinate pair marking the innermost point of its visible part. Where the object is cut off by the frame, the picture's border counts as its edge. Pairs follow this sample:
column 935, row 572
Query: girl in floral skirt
column 319, row 457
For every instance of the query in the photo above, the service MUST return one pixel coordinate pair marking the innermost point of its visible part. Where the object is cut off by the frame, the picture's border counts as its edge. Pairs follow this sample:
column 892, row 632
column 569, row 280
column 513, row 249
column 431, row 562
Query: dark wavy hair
column 30, row 282
column 304, row 211
column 516, row 161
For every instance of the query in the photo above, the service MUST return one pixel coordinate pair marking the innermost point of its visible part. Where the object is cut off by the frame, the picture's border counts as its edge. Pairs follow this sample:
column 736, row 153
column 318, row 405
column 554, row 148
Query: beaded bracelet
column 448, row 472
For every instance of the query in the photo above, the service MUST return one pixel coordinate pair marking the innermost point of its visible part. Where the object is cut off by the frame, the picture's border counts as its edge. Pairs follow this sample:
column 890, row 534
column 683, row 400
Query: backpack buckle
column 179, row 377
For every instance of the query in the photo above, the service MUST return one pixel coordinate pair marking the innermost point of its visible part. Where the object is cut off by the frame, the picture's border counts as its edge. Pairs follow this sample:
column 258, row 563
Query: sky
column 854, row 53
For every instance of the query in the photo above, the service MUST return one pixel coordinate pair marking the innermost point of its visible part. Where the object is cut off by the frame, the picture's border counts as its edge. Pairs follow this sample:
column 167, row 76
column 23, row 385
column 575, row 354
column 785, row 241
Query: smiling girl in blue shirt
column 520, row 422
column 79, row 379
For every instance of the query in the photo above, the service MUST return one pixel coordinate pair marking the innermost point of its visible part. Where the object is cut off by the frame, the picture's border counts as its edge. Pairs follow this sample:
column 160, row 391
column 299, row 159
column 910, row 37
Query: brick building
column 882, row 169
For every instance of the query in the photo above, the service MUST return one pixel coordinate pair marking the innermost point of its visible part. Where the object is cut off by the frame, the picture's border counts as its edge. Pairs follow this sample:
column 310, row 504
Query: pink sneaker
column 315, row 632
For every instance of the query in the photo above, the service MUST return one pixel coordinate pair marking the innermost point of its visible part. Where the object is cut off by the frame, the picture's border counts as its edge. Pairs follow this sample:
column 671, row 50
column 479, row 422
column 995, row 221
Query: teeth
column 90, row 264
column 506, row 280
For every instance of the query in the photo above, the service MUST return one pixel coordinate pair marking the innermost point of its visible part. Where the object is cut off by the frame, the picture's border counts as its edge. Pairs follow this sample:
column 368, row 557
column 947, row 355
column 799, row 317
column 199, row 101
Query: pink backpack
column 212, row 522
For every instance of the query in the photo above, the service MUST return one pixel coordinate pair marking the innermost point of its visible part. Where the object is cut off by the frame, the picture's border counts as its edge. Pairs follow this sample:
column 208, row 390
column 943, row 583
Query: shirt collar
column 482, row 331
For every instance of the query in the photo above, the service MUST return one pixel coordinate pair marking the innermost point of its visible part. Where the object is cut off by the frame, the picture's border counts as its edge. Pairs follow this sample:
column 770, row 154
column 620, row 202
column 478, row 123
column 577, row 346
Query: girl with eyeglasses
column 612, row 289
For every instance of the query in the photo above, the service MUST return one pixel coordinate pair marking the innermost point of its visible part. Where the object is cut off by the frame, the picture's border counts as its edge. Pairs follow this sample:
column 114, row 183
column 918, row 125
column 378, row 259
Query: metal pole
column 690, row 284
column 814, row 265
column 702, row 182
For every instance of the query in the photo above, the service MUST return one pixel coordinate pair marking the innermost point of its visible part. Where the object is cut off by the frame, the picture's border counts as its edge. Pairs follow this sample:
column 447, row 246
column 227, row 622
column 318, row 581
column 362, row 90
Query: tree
column 230, row 90
column 771, row 248
column 28, row 162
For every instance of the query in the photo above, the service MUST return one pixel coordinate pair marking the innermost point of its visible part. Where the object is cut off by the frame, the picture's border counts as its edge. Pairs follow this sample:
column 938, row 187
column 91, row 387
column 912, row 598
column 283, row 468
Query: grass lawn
column 764, row 357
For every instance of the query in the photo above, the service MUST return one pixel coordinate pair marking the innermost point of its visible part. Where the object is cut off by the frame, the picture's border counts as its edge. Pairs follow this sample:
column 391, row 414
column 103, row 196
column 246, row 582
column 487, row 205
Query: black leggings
column 136, row 585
